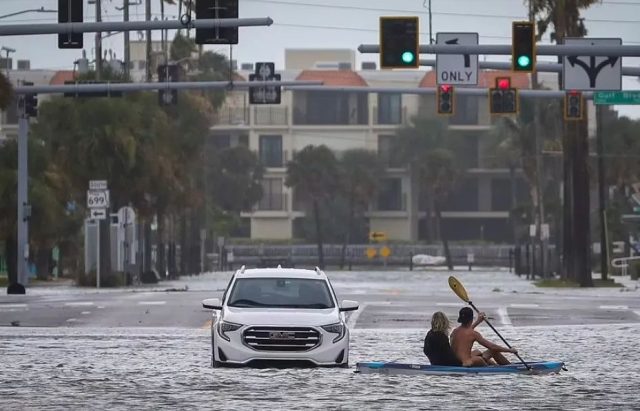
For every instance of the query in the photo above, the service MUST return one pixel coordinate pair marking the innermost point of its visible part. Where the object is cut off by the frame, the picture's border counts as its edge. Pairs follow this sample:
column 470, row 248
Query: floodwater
column 73, row 368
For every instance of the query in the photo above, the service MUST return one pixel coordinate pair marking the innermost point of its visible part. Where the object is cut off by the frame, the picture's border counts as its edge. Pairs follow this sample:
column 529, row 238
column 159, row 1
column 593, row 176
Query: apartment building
column 478, row 207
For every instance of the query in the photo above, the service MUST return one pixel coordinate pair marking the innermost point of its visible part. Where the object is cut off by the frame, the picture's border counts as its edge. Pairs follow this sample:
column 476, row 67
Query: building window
column 330, row 108
column 467, row 151
column 389, row 108
column 390, row 195
column 271, row 150
column 386, row 152
column 465, row 110
column 272, row 196
column 500, row 194
column 464, row 196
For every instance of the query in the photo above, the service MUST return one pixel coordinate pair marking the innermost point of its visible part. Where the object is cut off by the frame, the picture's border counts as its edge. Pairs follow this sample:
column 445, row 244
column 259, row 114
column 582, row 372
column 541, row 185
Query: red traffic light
column 503, row 83
column 445, row 88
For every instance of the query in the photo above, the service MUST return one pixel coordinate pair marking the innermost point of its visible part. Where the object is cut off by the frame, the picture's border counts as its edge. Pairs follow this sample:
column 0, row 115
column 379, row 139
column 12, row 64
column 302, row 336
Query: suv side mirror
column 212, row 304
column 348, row 305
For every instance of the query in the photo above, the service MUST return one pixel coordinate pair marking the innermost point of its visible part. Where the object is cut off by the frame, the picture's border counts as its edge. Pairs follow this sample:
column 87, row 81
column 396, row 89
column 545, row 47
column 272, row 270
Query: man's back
column 462, row 339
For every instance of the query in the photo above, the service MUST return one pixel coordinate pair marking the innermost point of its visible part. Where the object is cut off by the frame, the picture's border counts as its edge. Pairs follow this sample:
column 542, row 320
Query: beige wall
column 298, row 59
column 395, row 228
column 271, row 228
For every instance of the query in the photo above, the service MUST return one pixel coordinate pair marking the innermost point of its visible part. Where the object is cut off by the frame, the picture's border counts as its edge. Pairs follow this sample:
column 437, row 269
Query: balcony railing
column 273, row 202
column 232, row 116
column 271, row 116
column 398, row 204
column 390, row 118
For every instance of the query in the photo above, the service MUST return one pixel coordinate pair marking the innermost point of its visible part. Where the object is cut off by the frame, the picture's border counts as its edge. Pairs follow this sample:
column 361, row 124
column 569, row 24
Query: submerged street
column 66, row 347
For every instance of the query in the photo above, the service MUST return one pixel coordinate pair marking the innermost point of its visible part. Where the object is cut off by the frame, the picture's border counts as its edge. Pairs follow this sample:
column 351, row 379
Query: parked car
column 279, row 316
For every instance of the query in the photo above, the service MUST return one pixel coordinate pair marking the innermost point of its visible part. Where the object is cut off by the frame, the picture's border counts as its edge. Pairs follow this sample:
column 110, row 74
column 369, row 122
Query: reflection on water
column 169, row 368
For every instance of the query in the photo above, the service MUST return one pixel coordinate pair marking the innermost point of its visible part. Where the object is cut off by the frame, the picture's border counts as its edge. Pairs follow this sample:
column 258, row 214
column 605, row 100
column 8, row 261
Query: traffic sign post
column 458, row 69
column 592, row 72
column 98, row 203
column 378, row 236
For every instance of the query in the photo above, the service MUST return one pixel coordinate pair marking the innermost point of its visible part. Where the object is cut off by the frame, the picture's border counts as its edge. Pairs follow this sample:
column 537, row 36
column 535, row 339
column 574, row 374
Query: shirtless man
column 463, row 338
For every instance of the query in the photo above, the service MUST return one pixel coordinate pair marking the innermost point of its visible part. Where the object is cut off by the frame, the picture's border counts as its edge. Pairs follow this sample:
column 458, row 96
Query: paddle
column 458, row 288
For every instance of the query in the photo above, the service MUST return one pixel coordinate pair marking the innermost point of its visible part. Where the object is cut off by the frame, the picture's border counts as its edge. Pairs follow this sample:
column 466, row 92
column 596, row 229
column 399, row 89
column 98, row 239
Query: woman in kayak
column 436, row 343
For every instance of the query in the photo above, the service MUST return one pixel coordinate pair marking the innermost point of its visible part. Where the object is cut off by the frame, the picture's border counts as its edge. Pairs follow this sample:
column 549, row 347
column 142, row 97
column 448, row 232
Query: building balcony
column 271, row 116
column 273, row 202
column 389, row 118
column 232, row 116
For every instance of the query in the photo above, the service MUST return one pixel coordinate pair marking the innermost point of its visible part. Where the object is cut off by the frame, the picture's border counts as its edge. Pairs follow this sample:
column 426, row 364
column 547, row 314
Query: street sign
column 544, row 228
column 378, row 236
column 265, row 95
column 617, row 97
column 98, row 199
column 457, row 68
column 371, row 252
column 385, row 251
column 98, row 214
column 592, row 72
column 97, row 184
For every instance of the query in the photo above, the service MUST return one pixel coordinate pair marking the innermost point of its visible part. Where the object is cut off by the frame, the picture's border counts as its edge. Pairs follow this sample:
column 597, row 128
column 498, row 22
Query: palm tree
column 563, row 16
column 423, row 146
column 361, row 171
column 314, row 174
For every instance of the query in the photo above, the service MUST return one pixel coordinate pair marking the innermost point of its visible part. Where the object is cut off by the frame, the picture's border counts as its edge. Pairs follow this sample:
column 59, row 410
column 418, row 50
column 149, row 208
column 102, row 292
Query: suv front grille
column 281, row 338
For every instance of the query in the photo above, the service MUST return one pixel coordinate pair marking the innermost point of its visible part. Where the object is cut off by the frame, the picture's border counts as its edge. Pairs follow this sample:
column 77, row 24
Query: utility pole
column 127, row 51
column 99, row 41
column 147, row 17
column 23, row 192
column 539, row 212
column 604, row 241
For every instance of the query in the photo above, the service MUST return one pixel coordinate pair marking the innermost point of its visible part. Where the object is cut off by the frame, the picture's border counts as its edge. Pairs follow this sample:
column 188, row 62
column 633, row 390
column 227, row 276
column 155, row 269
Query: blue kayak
column 538, row 367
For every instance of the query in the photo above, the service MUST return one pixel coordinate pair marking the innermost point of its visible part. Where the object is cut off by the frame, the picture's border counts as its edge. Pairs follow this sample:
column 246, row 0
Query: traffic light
column 217, row 9
column 573, row 106
column 30, row 102
column 399, row 43
column 523, row 46
column 503, row 99
column 445, row 99
column 168, row 73
column 70, row 11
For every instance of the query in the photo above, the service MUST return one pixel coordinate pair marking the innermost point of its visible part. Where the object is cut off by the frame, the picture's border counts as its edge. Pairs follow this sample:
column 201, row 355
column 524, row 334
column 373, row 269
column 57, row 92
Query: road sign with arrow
column 592, row 72
column 457, row 68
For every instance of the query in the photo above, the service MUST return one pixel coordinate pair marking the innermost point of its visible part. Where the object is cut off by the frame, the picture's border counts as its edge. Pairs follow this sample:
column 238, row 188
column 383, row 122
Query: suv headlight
column 225, row 326
column 337, row 328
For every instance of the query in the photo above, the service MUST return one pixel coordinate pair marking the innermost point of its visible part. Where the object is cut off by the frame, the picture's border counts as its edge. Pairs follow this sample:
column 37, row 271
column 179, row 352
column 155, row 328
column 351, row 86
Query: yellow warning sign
column 371, row 252
column 378, row 236
column 385, row 251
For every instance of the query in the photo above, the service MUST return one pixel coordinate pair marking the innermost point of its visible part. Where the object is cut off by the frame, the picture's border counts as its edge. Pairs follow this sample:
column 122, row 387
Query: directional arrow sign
column 592, row 72
column 98, row 214
column 378, row 236
column 457, row 68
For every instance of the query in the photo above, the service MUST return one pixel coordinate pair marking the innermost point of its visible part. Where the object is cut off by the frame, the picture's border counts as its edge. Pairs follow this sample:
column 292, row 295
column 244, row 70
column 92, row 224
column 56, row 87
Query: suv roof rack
column 318, row 271
column 241, row 270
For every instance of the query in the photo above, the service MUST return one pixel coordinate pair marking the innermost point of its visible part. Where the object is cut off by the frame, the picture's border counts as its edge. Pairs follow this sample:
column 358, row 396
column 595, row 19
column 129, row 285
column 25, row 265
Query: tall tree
column 314, row 174
column 423, row 145
column 361, row 171
column 563, row 19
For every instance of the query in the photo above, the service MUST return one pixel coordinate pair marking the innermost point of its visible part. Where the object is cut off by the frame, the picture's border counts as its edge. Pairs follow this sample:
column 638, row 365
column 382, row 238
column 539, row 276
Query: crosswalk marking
column 614, row 307
column 79, row 304
column 152, row 302
column 524, row 305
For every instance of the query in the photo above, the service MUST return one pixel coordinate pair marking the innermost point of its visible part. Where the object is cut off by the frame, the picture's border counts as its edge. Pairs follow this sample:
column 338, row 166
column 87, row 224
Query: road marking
column 504, row 316
column 614, row 307
column 524, row 305
column 448, row 304
column 353, row 318
column 100, row 307
column 85, row 312
column 13, row 307
column 79, row 304
column 72, row 320
column 152, row 302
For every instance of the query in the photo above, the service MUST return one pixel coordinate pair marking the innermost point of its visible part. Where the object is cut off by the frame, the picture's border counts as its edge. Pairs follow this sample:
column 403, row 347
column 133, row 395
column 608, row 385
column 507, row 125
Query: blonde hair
column 440, row 322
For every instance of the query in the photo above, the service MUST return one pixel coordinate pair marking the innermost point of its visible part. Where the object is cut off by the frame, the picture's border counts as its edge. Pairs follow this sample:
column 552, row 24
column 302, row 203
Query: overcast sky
column 326, row 24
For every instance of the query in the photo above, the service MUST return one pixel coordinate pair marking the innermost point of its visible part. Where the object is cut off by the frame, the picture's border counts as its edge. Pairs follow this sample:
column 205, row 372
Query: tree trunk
column 11, row 254
column 316, row 215
column 43, row 262
column 443, row 234
column 581, row 206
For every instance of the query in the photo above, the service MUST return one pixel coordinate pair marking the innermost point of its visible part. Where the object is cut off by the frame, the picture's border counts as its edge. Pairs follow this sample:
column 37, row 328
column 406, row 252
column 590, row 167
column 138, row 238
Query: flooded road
column 150, row 348
column 73, row 368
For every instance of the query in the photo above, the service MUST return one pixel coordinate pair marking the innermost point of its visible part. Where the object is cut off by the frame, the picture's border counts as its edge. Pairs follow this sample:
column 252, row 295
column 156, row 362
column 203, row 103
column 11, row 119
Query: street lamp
column 40, row 10
column 8, row 50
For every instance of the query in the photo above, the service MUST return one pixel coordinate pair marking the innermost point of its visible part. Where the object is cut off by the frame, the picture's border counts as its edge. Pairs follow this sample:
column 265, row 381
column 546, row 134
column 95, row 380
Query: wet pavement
column 106, row 359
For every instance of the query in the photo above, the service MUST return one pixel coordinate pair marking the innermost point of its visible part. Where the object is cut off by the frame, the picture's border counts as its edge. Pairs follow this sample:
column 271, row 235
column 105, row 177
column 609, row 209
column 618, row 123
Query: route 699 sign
column 98, row 199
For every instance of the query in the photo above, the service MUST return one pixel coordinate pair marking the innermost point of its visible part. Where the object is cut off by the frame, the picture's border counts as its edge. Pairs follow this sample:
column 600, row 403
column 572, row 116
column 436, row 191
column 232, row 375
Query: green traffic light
column 408, row 57
column 524, row 61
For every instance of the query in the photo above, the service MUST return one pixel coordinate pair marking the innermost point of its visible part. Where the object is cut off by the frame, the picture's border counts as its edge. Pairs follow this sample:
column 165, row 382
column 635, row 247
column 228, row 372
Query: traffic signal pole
column 70, row 28
column 23, row 199
column 505, row 49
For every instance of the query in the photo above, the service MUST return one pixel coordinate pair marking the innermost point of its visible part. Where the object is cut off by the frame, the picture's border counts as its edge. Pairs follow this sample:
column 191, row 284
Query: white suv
column 275, row 316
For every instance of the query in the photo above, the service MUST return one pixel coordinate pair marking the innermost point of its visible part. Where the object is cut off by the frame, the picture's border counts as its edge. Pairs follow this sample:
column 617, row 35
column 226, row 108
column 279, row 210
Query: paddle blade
column 458, row 288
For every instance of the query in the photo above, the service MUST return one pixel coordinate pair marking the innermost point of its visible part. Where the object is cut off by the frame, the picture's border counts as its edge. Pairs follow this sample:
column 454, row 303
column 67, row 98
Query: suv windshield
column 281, row 293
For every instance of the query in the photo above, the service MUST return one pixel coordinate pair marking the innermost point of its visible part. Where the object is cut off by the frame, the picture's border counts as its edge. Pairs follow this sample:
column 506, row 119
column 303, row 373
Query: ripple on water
column 152, row 369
